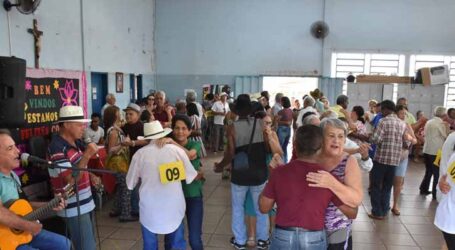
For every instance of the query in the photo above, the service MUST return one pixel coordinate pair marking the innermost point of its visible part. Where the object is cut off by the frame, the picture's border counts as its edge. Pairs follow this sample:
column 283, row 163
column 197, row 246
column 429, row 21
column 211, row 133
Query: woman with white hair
column 436, row 131
column 342, row 176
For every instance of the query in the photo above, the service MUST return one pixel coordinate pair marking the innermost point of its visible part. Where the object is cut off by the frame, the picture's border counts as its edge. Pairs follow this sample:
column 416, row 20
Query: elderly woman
column 162, row 113
column 147, row 112
column 400, row 170
column 436, row 131
column 348, row 186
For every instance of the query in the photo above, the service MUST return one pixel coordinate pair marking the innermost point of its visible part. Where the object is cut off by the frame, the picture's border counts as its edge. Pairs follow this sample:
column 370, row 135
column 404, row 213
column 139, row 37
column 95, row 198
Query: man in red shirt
column 300, row 208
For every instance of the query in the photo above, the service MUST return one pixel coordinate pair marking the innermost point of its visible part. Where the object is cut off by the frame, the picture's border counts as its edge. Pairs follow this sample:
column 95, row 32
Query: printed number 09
column 172, row 174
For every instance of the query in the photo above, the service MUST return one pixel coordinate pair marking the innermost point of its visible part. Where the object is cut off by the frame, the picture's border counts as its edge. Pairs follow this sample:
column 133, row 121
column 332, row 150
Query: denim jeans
column 47, row 240
column 238, row 194
column 83, row 238
column 296, row 240
column 194, row 214
column 174, row 240
column 381, row 185
column 284, row 134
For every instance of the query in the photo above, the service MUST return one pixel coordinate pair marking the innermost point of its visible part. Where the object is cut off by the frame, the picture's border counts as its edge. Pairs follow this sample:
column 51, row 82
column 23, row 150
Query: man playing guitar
column 10, row 190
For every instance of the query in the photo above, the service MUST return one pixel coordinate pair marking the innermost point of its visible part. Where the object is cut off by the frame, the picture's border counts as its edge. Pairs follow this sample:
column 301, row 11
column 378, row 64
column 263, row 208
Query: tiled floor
column 414, row 229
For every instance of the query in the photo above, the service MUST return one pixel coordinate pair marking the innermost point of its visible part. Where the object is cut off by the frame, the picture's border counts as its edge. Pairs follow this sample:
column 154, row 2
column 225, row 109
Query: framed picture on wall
column 119, row 82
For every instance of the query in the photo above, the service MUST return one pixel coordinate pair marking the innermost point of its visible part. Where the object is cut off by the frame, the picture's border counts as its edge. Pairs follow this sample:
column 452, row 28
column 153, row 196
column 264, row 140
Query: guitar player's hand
column 61, row 205
column 35, row 228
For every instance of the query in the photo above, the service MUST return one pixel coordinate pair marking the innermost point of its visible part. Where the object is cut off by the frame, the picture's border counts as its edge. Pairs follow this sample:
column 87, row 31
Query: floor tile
column 414, row 229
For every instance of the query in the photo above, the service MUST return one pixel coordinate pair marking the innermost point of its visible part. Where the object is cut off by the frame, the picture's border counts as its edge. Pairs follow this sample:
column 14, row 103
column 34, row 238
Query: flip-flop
column 395, row 212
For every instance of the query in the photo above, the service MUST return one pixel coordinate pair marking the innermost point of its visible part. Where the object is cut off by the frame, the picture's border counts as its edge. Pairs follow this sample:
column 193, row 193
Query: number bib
column 171, row 172
column 451, row 172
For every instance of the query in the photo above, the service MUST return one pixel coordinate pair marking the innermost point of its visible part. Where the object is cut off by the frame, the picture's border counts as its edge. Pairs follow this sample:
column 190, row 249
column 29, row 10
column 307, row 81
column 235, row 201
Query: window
column 420, row 61
column 364, row 63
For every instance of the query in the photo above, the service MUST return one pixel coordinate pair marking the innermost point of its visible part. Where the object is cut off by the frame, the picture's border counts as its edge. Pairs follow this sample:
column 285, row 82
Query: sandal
column 395, row 211
column 217, row 168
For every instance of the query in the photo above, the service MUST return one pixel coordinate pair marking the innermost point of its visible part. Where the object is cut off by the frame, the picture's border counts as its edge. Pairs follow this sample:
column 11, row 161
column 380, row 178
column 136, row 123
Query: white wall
column 117, row 35
column 236, row 37
column 381, row 26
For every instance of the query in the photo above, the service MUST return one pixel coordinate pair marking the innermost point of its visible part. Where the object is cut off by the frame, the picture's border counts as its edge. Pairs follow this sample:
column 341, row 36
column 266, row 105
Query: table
column 97, row 162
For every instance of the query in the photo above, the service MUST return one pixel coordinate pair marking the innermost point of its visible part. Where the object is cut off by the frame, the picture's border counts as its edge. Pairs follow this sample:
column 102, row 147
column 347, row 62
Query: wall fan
column 23, row 6
column 319, row 29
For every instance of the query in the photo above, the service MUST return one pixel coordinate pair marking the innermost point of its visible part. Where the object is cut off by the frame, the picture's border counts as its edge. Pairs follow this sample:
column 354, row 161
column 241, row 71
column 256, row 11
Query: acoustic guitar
column 11, row 238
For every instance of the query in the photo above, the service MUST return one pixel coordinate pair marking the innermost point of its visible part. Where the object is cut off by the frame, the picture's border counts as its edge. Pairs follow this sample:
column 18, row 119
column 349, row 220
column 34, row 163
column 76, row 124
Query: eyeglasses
column 268, row 123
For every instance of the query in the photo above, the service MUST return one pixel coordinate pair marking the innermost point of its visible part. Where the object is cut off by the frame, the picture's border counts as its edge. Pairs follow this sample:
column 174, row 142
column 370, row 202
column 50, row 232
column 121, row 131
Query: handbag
column 118, row 162
column 241, row 159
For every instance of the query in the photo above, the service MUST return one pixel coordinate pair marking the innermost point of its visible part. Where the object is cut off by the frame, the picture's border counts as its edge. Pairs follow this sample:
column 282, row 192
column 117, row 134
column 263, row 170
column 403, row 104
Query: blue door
column 99, row 91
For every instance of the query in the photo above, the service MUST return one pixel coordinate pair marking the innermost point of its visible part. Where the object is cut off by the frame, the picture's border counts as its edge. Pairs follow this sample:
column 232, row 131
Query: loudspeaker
column 12, row 92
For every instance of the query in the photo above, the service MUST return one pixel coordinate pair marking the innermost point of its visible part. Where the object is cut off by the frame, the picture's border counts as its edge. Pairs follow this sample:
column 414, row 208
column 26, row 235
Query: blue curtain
column 331, row 87
column 247, row 85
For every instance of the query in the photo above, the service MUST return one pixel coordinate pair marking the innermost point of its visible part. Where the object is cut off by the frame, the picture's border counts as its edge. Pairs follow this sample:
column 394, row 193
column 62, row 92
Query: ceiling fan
column 23, row 6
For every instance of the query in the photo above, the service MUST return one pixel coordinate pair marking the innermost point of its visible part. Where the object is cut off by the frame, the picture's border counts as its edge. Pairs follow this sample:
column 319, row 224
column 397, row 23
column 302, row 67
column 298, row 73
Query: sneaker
column 237, row 245
column 263, row 244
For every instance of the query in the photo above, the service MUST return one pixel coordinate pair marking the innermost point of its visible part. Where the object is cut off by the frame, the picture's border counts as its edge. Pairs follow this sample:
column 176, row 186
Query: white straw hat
column 154, row 130
column 72, row 114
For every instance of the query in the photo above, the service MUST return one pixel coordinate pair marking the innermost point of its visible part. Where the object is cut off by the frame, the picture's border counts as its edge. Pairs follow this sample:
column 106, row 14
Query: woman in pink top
column 284, row 122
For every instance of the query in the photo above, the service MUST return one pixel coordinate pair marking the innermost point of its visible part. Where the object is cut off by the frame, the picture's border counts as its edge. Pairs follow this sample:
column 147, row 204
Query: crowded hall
column 227, row 124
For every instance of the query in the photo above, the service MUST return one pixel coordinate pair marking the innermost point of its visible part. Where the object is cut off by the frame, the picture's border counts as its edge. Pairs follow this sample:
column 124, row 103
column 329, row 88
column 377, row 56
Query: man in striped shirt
column 389, row 137
column 68, row 150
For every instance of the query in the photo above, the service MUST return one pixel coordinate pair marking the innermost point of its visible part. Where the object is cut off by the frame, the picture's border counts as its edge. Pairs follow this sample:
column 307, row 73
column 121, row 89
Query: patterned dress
column 196, row 126
column 335, row 219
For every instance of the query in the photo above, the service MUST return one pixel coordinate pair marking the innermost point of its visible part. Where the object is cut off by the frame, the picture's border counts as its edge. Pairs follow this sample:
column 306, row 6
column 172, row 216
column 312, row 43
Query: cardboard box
column 383, row 79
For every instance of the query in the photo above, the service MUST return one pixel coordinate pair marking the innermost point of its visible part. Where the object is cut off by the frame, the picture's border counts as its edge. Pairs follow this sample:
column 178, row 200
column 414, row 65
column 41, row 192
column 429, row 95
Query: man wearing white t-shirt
column 162, row 202
column 220, row 109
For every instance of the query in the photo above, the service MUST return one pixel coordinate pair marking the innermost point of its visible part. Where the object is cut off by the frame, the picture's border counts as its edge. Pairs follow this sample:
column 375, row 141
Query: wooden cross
column 37, row 36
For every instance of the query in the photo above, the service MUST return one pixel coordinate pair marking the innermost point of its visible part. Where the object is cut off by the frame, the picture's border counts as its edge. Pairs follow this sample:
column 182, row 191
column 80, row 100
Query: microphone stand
column 75, row 173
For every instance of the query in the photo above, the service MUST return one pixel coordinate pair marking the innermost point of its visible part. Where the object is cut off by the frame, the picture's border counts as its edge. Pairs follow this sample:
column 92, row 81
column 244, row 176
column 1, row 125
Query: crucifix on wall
column 37, row 37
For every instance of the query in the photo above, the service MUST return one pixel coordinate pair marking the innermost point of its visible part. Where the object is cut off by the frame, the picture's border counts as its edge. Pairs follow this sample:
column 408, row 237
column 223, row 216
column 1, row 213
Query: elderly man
column 191, row 98
column 162, row 200
column 277, row 106
column 162, row 112
column 390, row 136
column 308, row 106
column 10, row 190
column 132, row 129
column 301, row 207
column 219, row 110
column 110, row 101
column 68, row 150
column 342, row 106
column 436, row 131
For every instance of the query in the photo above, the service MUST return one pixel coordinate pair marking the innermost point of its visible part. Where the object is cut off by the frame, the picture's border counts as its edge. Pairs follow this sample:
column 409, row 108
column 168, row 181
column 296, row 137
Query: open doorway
column 292, row 87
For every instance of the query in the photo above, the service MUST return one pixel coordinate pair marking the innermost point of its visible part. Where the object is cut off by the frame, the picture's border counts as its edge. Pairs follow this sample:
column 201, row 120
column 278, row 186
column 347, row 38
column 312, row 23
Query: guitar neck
column 43, row 211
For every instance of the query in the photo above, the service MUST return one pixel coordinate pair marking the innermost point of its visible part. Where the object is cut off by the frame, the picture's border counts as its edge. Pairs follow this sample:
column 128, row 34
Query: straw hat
column 154, row 130
column 134, row 107
column 72, row 114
